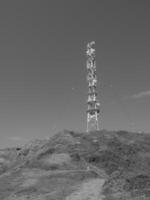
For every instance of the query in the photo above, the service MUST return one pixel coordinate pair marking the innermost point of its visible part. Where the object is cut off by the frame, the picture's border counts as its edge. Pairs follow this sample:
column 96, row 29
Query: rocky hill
column 102, row 165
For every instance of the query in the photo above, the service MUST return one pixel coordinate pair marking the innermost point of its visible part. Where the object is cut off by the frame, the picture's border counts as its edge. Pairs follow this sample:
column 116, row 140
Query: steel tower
column 93, row 106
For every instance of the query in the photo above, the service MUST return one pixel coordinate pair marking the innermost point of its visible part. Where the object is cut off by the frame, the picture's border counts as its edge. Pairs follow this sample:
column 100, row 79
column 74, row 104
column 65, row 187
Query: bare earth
column 90, row 190
column 78, row 166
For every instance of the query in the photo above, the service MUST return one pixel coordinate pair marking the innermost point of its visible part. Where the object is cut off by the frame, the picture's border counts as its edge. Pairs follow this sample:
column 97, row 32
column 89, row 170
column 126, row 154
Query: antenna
column 93, row 105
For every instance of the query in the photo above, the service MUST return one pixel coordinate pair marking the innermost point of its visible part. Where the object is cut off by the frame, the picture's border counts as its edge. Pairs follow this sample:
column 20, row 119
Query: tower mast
column 93, row 106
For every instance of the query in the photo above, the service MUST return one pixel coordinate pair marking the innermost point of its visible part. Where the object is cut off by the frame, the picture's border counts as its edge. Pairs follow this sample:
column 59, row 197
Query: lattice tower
column 93, row 106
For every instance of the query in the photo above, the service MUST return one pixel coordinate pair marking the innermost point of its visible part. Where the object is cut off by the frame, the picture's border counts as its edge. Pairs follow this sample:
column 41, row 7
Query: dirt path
column 40, row 173
column 91, row 190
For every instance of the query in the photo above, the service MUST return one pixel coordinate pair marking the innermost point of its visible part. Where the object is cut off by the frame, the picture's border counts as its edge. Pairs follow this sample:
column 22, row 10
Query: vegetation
column 121, row 158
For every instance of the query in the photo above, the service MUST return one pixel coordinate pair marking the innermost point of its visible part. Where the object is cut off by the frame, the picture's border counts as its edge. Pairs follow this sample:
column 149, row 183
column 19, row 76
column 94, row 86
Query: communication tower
column 93, row 106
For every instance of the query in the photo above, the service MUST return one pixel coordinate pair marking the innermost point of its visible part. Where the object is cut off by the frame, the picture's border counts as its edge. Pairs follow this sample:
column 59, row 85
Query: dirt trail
column 91, row 190
column 42, row 173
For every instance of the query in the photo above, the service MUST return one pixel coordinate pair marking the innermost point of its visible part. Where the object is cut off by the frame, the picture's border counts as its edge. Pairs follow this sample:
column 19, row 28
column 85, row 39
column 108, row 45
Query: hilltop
column 101, row 165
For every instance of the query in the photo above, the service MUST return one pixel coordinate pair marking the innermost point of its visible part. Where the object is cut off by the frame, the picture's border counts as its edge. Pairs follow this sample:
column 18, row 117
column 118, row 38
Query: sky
column 43, row 88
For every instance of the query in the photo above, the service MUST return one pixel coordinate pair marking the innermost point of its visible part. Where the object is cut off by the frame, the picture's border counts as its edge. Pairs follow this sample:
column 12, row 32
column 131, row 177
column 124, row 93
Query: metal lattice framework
column 93, row 109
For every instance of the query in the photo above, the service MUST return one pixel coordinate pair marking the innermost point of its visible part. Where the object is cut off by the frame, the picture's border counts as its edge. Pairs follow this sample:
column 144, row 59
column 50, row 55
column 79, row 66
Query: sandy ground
column 57, row 158
column 29, row 182
column 90, row 190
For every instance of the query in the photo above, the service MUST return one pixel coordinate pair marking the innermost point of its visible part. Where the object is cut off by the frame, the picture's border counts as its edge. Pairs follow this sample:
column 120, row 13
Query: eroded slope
column 78, row 166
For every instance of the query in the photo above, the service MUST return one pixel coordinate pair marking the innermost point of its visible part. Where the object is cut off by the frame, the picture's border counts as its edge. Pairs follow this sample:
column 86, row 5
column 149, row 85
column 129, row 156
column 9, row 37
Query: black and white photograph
column 74, row 100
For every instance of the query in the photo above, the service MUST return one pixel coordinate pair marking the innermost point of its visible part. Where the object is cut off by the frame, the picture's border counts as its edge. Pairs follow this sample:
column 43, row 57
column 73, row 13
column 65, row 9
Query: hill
column 102, row 165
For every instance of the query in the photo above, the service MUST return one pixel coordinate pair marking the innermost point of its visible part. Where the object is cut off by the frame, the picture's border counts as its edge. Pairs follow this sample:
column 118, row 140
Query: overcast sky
column 43, row 86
